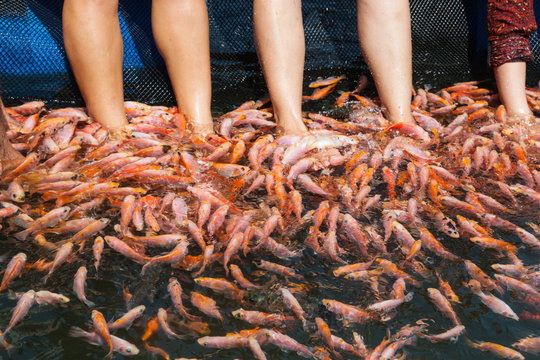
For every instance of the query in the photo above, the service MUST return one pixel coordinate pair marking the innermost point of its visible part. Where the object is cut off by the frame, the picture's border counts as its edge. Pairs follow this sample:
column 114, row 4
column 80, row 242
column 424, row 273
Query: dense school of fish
column 394, row 209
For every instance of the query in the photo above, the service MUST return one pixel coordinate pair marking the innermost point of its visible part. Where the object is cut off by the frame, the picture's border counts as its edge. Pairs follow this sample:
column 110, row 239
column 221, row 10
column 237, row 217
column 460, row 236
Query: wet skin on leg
column 94, row 47
column 279, row 39
column 384, row 32
column 181, row 32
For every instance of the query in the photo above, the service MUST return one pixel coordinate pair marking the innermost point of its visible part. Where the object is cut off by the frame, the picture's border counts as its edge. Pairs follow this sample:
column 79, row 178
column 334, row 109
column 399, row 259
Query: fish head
column 475, row 240
column 239, row 314
column 432, row 291
column 203, row 342
column 65, row 211
column 510, row 315
column 17, row 197
column 496, row 267
column 128, row 350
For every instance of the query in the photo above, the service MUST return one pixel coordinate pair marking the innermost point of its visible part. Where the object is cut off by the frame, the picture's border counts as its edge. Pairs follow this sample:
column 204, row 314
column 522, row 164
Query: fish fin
column 22, row 235
column 145, row 267
column 88, row 303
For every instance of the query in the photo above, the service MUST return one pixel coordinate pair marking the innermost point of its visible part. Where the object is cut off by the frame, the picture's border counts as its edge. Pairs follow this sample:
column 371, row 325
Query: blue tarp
column 449, row 37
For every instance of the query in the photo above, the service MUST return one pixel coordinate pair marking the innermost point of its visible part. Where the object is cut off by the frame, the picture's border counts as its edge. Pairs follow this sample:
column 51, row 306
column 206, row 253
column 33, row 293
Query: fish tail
column 9, row 348
column 46, row 278
column 88, row 303
column 22, row 235
column 471, row 343
column 109, row 354
column 409, row 296
column 76, row 332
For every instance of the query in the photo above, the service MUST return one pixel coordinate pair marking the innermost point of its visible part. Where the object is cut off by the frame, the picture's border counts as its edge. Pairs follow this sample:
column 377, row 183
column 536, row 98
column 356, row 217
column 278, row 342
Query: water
column 43, row 334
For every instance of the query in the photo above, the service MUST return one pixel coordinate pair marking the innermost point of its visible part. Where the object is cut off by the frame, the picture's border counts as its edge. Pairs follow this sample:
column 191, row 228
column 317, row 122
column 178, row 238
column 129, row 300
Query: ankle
column 291, row 126
column 400, row 117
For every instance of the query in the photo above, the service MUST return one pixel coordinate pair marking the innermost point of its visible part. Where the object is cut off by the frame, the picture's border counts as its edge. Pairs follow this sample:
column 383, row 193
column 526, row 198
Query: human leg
column 510, row 78
column 384, row 32
column 181, row 32
column 94, row 47
column 9, row 157
column 509, row 26
column 279, row 38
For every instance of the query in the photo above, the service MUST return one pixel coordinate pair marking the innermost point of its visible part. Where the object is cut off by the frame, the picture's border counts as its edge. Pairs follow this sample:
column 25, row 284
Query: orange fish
column 102, row 329
column 13, row 269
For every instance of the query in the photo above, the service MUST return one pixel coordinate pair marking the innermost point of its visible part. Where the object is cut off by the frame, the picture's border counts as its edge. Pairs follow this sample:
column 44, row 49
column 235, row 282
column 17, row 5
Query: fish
column 443, row 305
column 97, row 250
column 285, row 342
column 451, row 335
column 293, row 304
column 221, row 286
column 13, row 270
column 119, row 345
column 48, row 220
column 529, row 344
column 79, row 283
column 279, row 269
column 19, row 311
column 126, row 320
column 496, row 349
column 347, row 312
column 206, row 305
column 261, row 318
column 102, row 329
column 495, row 304
column 164, row 325
column 389, row 305
column 61, row 256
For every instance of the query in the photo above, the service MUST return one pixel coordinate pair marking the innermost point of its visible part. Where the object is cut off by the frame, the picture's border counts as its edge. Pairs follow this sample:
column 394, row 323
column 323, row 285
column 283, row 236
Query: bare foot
column 200, row 130
column 291, row 126
column 121, row 133
column 293, row 130
column 521, row 119
column 401, row 118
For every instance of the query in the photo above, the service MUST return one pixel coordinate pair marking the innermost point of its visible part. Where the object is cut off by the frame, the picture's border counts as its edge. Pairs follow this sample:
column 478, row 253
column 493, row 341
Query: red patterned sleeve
column 509, row 25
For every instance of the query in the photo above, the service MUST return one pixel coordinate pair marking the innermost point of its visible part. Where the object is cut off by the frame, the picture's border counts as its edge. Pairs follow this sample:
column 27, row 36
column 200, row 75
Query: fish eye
column 205, row 343
column 128, row 350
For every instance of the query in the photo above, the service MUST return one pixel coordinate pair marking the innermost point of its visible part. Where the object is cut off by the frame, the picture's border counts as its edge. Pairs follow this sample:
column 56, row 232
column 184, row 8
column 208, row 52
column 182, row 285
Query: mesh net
column 449, row 45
